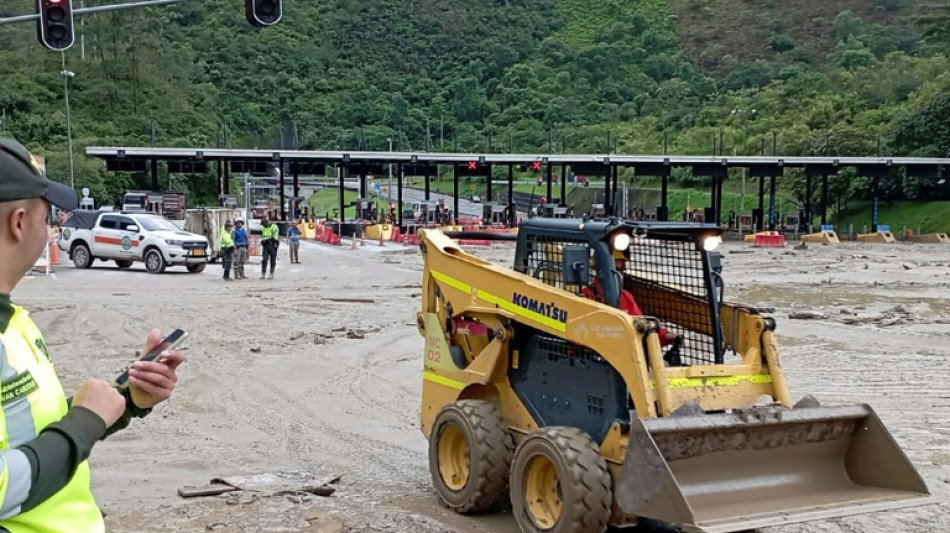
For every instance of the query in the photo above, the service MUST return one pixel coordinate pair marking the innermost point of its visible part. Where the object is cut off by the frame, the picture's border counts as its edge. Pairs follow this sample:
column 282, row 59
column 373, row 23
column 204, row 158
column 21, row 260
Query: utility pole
column 69, row 126
column 82, row 33
column 389, row 190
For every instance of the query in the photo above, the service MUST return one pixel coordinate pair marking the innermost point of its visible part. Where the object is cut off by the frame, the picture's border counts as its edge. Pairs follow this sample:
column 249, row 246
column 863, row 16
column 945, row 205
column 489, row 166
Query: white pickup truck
column 130, row 237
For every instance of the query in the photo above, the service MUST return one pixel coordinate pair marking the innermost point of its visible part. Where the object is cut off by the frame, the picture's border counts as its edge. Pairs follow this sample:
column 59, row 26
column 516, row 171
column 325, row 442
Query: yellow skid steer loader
column 604, row 378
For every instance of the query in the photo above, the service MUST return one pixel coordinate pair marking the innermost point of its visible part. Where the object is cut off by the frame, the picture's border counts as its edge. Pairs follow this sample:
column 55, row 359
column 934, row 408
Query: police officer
column 44, row 471
column 270, row 241
column 227, row 250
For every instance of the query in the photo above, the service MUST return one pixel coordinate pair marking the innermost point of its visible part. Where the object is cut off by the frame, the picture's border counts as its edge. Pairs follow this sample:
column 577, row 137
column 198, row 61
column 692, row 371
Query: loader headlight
column 620, row 241
column 712, row 242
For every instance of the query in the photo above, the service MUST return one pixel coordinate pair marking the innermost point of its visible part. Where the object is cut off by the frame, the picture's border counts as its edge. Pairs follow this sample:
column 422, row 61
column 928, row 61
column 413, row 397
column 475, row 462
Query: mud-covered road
column 279, row 377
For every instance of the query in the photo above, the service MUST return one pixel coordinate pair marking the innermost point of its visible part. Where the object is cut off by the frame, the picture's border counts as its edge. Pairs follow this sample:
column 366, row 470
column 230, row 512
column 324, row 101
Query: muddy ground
column 280, row 378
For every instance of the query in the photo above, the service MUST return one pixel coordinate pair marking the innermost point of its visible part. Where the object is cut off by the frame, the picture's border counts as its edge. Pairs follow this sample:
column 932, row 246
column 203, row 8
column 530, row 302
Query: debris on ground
column 807, row 315
column 266, row 485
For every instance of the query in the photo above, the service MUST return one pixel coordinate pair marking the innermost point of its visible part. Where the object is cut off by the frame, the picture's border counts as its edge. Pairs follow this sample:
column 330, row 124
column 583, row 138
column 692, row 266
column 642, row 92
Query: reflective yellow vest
column 73, row 508
column 226, row 240
column 270, row 232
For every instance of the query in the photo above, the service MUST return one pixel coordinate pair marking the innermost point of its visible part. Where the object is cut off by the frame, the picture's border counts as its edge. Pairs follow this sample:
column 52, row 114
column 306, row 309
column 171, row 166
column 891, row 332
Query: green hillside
column 797, row 77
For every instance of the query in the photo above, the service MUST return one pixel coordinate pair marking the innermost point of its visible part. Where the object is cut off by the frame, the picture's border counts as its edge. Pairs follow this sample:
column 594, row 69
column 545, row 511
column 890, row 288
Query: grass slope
column 929, row 217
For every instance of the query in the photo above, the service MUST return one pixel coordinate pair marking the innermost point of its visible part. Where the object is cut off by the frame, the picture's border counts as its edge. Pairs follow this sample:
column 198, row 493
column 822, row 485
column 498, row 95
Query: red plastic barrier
column 475, row 242
column 770, row 241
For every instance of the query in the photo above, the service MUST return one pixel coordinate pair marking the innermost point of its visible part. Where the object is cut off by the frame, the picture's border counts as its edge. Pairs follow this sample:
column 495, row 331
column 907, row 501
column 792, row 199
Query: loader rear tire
column 560, row 483
column 470, row 453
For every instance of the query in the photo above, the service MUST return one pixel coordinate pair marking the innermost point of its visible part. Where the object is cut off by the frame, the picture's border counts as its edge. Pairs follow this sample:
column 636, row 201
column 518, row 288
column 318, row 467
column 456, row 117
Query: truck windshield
column 156, row 224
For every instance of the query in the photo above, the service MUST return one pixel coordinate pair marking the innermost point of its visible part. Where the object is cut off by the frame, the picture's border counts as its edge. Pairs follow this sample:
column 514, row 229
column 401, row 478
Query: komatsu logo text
column 549, row 310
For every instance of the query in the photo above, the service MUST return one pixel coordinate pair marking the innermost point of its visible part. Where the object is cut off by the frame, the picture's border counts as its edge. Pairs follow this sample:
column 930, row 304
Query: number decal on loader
column 437, row 349
column 432, row 352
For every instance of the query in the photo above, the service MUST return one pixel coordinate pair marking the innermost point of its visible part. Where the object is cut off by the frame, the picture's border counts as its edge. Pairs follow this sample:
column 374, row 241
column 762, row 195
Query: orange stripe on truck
column 112, row 240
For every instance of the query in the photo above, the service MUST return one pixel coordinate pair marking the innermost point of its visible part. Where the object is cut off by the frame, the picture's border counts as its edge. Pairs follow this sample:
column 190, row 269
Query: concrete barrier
column 931, row 238
column 881, row 237
column 825, row 237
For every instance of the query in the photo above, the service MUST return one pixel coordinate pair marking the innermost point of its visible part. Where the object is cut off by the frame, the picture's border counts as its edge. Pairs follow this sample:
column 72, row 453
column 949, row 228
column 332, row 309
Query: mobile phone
column 170, row 342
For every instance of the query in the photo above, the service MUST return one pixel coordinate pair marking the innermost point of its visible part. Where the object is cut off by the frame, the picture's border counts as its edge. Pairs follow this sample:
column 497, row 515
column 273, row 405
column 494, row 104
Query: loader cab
column 670, row 269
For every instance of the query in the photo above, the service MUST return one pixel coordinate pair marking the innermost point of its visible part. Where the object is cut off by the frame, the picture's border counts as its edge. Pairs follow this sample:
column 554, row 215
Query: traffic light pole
column 93, row 10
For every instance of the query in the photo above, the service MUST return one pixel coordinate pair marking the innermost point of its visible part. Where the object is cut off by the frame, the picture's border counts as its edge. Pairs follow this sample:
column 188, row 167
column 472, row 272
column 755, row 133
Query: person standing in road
column 293, row 241
column 270, row 241
column 227, row 250
column 240, row 249
column 44, row 468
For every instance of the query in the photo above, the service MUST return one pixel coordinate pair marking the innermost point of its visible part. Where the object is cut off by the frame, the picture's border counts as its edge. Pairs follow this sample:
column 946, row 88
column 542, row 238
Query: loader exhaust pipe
column 760, row 467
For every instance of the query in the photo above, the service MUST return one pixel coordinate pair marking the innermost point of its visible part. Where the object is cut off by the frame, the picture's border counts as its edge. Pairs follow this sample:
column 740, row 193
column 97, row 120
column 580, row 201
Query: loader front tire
column 470, row 453
column 560, row 483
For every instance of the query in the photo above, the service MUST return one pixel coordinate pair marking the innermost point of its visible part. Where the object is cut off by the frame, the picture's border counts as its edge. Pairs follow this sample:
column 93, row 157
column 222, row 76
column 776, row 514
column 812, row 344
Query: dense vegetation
column 852, row 77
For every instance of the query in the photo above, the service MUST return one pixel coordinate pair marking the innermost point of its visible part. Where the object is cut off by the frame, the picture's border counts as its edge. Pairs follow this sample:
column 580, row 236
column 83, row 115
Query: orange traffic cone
column 53, row 253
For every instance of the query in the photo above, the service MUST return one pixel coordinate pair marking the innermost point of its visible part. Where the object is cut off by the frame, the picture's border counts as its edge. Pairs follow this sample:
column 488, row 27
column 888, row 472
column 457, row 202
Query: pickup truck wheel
column 82, row 258
column 123, row 263
column 154, row 262
column 194, row 269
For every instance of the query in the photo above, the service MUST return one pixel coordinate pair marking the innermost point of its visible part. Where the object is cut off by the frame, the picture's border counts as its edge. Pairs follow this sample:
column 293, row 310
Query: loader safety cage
column 667, row 270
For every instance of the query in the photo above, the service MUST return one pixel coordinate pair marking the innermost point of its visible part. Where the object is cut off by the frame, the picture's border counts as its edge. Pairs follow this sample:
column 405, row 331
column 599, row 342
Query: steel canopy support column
column 488, row 186
column 713, row 200
column 760, row 223
column 155, row 173
column 875, row 184
column 362, row 183
column 609, row 208
column 550, row 193
column 227, row 178
column 455, row 192
column 512, row 212
column 807, row 221
column 399, row 194
column 280, row 185
column 563, row 202
column 664, row 214
column 772, row 203
column 343, row 170
column 427, row 180
column 824, row 200
column 295, row 169
column 719, row 182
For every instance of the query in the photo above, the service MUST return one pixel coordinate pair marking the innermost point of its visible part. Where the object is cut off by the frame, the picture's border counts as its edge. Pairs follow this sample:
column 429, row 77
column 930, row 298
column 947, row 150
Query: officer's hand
column 152, row 382
column 101, row 398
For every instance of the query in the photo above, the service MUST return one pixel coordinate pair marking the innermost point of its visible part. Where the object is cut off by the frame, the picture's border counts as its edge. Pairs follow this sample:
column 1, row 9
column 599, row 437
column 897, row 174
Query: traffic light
column 55, row 27
column 262, row 13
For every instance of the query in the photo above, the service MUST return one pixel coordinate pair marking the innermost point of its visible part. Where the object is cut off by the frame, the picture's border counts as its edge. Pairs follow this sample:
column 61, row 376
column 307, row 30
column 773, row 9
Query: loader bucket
column 719, row 473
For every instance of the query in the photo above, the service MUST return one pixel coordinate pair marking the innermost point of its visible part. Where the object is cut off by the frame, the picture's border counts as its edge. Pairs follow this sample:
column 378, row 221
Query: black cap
column 21, row 179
